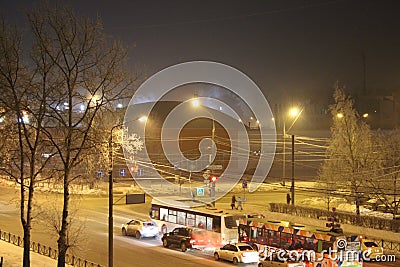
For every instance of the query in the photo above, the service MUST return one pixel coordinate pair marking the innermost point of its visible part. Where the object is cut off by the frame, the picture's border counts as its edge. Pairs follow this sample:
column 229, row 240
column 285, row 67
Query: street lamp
column 196, row 103
column 110, row 193
column 294, row 113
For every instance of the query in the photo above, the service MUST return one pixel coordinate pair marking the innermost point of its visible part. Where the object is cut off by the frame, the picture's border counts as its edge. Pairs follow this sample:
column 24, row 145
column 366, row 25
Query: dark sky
column 289, row 48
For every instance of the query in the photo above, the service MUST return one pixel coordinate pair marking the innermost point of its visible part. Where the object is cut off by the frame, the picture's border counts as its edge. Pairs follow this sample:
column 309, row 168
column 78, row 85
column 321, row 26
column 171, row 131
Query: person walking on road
column 233, row 202
column 288, row 198
column 239, row 201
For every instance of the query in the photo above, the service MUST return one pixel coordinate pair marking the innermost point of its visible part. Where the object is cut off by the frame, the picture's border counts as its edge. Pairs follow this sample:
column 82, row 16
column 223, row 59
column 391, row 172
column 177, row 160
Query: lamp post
column 293, row 112
column 196, row 103
column 292, row 186
column 110, row 198
column 110, row 193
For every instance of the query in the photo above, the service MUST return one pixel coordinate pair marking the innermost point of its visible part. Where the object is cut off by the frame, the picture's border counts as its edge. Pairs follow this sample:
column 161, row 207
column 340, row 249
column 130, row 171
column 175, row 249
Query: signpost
column 122, row 172
column 244, row 186
column 200, row 191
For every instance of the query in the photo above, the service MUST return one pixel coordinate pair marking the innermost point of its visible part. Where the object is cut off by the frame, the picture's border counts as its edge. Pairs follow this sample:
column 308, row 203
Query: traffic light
column 213, row 178
column 133, row 169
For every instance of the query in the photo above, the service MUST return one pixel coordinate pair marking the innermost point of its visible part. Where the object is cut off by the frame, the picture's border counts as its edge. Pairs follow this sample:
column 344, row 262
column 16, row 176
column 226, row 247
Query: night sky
column 291, row 49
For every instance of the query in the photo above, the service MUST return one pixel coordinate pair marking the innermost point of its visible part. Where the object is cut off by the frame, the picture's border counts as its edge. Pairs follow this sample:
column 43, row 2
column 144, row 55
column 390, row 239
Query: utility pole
column 110, row 200
column 284, row 153
column 292, row 187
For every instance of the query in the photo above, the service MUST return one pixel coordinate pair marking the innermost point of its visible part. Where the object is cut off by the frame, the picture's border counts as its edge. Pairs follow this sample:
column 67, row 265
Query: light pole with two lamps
column 110, row 192
column 196, row 103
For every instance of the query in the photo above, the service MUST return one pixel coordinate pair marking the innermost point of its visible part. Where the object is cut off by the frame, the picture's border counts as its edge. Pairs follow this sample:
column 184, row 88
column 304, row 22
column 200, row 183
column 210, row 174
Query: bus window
column 232, row 221
column 217, row 224
column 262, row 237
column 190, row 220
column 286, row 240
column 274, row 239
column 163, row 214
column 172, row 216
column 200, row 221
column 155, row 214
column 181, row 217
column 310, row 244
column 209, row 223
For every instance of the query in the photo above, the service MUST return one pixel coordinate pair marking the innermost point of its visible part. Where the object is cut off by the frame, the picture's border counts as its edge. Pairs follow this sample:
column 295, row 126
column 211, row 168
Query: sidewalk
column 12, row 256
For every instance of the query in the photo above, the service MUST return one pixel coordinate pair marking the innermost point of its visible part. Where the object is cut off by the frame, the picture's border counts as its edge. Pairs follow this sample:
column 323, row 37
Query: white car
column 140, row 228
column 239, row 252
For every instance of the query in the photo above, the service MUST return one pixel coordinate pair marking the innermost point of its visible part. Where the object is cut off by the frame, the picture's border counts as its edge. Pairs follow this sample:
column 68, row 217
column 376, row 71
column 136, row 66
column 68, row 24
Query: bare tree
column 351, row 158
column 88, row 77
column 23, row 107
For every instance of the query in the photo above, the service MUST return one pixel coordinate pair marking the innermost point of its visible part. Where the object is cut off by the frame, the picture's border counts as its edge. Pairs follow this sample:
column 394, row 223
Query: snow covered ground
column 342, row 205
column 12, row 256
column 318, row 202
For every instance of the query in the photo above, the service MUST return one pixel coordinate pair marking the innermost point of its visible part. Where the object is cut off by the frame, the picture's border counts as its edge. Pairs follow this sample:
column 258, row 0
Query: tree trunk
column 27, row 241
column 27, row 227
column 62, row 240
column 358, row 210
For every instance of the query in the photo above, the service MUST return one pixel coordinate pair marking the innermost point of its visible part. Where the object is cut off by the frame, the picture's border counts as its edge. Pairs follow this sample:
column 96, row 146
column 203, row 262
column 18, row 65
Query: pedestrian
column 239, row 201
column 233, row 202
column 288, row 198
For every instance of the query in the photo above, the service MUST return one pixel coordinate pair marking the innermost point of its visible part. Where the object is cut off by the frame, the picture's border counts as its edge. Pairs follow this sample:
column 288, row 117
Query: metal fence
column 389, row 247
column 45, row 250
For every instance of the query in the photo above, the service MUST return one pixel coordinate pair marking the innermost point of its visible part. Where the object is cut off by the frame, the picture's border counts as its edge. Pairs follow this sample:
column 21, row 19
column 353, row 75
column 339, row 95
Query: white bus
column 220, row 226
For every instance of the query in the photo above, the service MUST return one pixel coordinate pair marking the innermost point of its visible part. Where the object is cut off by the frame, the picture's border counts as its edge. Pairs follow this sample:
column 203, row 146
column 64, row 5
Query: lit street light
column 196, row 103
column 293, row 112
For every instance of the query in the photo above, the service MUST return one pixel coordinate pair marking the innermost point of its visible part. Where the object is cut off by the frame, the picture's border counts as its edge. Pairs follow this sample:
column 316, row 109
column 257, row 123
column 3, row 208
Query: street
column 91, row 213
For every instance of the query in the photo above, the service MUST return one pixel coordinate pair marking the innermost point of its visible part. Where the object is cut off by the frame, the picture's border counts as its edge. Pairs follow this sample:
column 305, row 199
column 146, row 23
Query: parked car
column 239, row 252
column 140, row 228
column 185, row 238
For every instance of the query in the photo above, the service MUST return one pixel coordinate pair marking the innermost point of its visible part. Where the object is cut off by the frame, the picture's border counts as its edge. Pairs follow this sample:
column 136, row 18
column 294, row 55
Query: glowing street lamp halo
column 195, row 102
column 293, row 112
column 143, row 119
column 339, row 115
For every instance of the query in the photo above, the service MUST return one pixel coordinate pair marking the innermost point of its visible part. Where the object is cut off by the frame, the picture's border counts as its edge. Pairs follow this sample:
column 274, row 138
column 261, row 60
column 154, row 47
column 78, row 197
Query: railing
column 389, row 247
column 45, row 250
